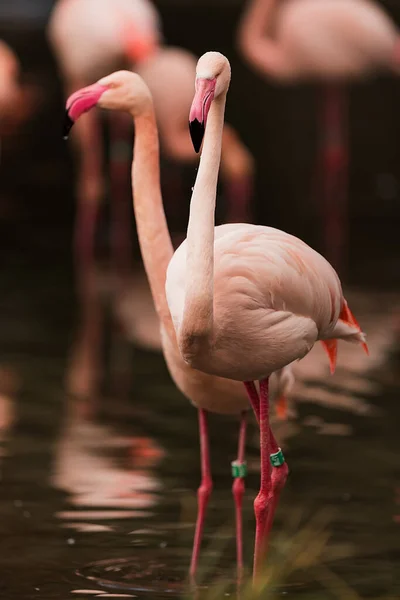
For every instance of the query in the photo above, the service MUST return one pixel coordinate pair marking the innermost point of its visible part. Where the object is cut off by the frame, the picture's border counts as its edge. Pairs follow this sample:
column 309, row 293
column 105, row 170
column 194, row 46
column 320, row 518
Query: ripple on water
column 147, row 573
column 159, row 576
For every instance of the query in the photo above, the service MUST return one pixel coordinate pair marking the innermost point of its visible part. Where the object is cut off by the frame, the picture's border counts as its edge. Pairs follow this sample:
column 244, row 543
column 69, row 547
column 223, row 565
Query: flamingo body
column 274, row 297
column 319, row 39
column 336, row 39
column 88, row 35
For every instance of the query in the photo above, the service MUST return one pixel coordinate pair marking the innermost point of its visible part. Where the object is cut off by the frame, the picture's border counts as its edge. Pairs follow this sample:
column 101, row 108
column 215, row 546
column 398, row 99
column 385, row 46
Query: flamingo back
column 88, row 35
column 335, row 38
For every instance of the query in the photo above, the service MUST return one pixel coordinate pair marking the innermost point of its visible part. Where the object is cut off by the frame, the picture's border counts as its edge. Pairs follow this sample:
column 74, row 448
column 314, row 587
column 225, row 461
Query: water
column 99, row 495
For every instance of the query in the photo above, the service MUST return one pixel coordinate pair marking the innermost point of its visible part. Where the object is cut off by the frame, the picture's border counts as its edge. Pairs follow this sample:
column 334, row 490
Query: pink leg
column 121, row 209
column 278, row 480
column 272, row 479
column 261, row 503
column 204, row 490
column 253, row 397
column 334, row 163
column 239, row 472
column 90, row 190
column 239, row 191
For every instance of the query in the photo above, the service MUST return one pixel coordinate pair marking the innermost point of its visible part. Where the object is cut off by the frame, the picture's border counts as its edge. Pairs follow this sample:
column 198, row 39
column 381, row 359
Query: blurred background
column 98, row 450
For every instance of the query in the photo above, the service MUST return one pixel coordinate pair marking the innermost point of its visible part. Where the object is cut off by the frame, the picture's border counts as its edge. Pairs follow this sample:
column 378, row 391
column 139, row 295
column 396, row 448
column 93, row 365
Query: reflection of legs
column 121, row 210
column 239, row 472
column 204, row 490
column 85, row 368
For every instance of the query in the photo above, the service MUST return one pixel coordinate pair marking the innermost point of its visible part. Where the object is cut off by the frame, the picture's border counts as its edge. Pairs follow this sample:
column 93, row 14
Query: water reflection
column 99, row 469
column 95, row 480
column 8, row 388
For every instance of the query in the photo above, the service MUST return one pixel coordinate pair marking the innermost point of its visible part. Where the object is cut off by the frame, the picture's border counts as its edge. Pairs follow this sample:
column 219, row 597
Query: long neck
column 154, row 238
column 257, row 18
column 198, row 308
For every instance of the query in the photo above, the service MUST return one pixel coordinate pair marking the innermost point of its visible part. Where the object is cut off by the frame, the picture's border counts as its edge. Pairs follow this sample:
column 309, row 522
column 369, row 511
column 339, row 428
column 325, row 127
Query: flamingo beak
column 80, row 102
column 205, row 91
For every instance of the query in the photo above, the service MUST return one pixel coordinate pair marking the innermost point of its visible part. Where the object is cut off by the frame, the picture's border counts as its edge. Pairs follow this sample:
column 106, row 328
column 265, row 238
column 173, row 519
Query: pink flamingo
column 332, row 41
column 246, row 300
column 127, row 92
column 172, row 109
column 90, row 38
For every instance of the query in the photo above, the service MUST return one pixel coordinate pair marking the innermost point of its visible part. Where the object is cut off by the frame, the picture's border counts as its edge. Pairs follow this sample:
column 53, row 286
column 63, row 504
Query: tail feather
column 348, row 329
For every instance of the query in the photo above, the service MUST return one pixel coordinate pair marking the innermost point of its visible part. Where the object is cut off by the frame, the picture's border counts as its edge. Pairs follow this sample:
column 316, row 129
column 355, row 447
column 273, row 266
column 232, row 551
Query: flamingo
column 90, row 38
column 247, row 300
column 172, row 109
column 126, row 91
column 332, row 41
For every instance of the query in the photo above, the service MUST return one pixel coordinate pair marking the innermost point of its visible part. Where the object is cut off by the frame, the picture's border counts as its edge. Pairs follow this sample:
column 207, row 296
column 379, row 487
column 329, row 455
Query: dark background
column 279, row 125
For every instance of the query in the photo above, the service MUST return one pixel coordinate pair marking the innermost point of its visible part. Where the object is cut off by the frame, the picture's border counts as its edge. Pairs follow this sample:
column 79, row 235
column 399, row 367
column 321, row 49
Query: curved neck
column 154, row 239
column 198, row 307
column 258, row 17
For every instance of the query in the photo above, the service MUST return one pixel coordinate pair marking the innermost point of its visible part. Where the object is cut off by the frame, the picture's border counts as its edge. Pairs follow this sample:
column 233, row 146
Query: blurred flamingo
column 332, row 41
column 90, row 38
column 170, row 69
column 126, row 91
column 16, row 100
column 246, row 300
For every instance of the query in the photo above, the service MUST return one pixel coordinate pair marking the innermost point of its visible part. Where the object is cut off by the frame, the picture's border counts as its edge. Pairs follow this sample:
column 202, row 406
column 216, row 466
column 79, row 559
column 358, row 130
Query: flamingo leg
column 89, row 192
column 334, row 163
column 263, row 500
column 238, row 488
column 239, row 192
column 204, row 491
column 121, row 243
column 278, row 479
column 253, row 397
column 279, row 473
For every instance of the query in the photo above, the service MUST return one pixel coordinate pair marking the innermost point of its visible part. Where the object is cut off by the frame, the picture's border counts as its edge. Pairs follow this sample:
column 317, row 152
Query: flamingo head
column 213, row 75
column 122, row 90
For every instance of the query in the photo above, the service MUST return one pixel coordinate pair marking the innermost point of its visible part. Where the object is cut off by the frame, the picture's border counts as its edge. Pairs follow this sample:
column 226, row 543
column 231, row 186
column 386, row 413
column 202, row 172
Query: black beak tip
column 196, row 133
column 68, row 123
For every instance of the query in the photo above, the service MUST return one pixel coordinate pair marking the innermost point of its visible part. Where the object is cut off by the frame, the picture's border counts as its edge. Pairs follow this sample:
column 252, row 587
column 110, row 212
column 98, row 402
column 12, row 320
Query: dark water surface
column 112, row 481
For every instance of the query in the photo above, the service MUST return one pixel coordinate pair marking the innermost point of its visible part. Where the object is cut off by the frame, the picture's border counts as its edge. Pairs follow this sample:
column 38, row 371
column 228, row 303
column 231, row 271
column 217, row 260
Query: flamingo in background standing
column 246, row 300
column 127, row 92
column 90, row 38
column 170, row 69
column 331, row 41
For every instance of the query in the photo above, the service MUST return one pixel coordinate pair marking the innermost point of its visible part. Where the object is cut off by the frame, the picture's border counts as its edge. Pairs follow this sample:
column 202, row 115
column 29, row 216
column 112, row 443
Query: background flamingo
column 331, row 41
column 172, row 109
column 90, row 38
column 246, row 300
column 15, row 99
column 127, row 92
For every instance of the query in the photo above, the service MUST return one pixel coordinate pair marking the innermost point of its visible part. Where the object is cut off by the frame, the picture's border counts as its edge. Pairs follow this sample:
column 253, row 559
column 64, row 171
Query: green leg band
column 239, row 469
column 277, row 459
